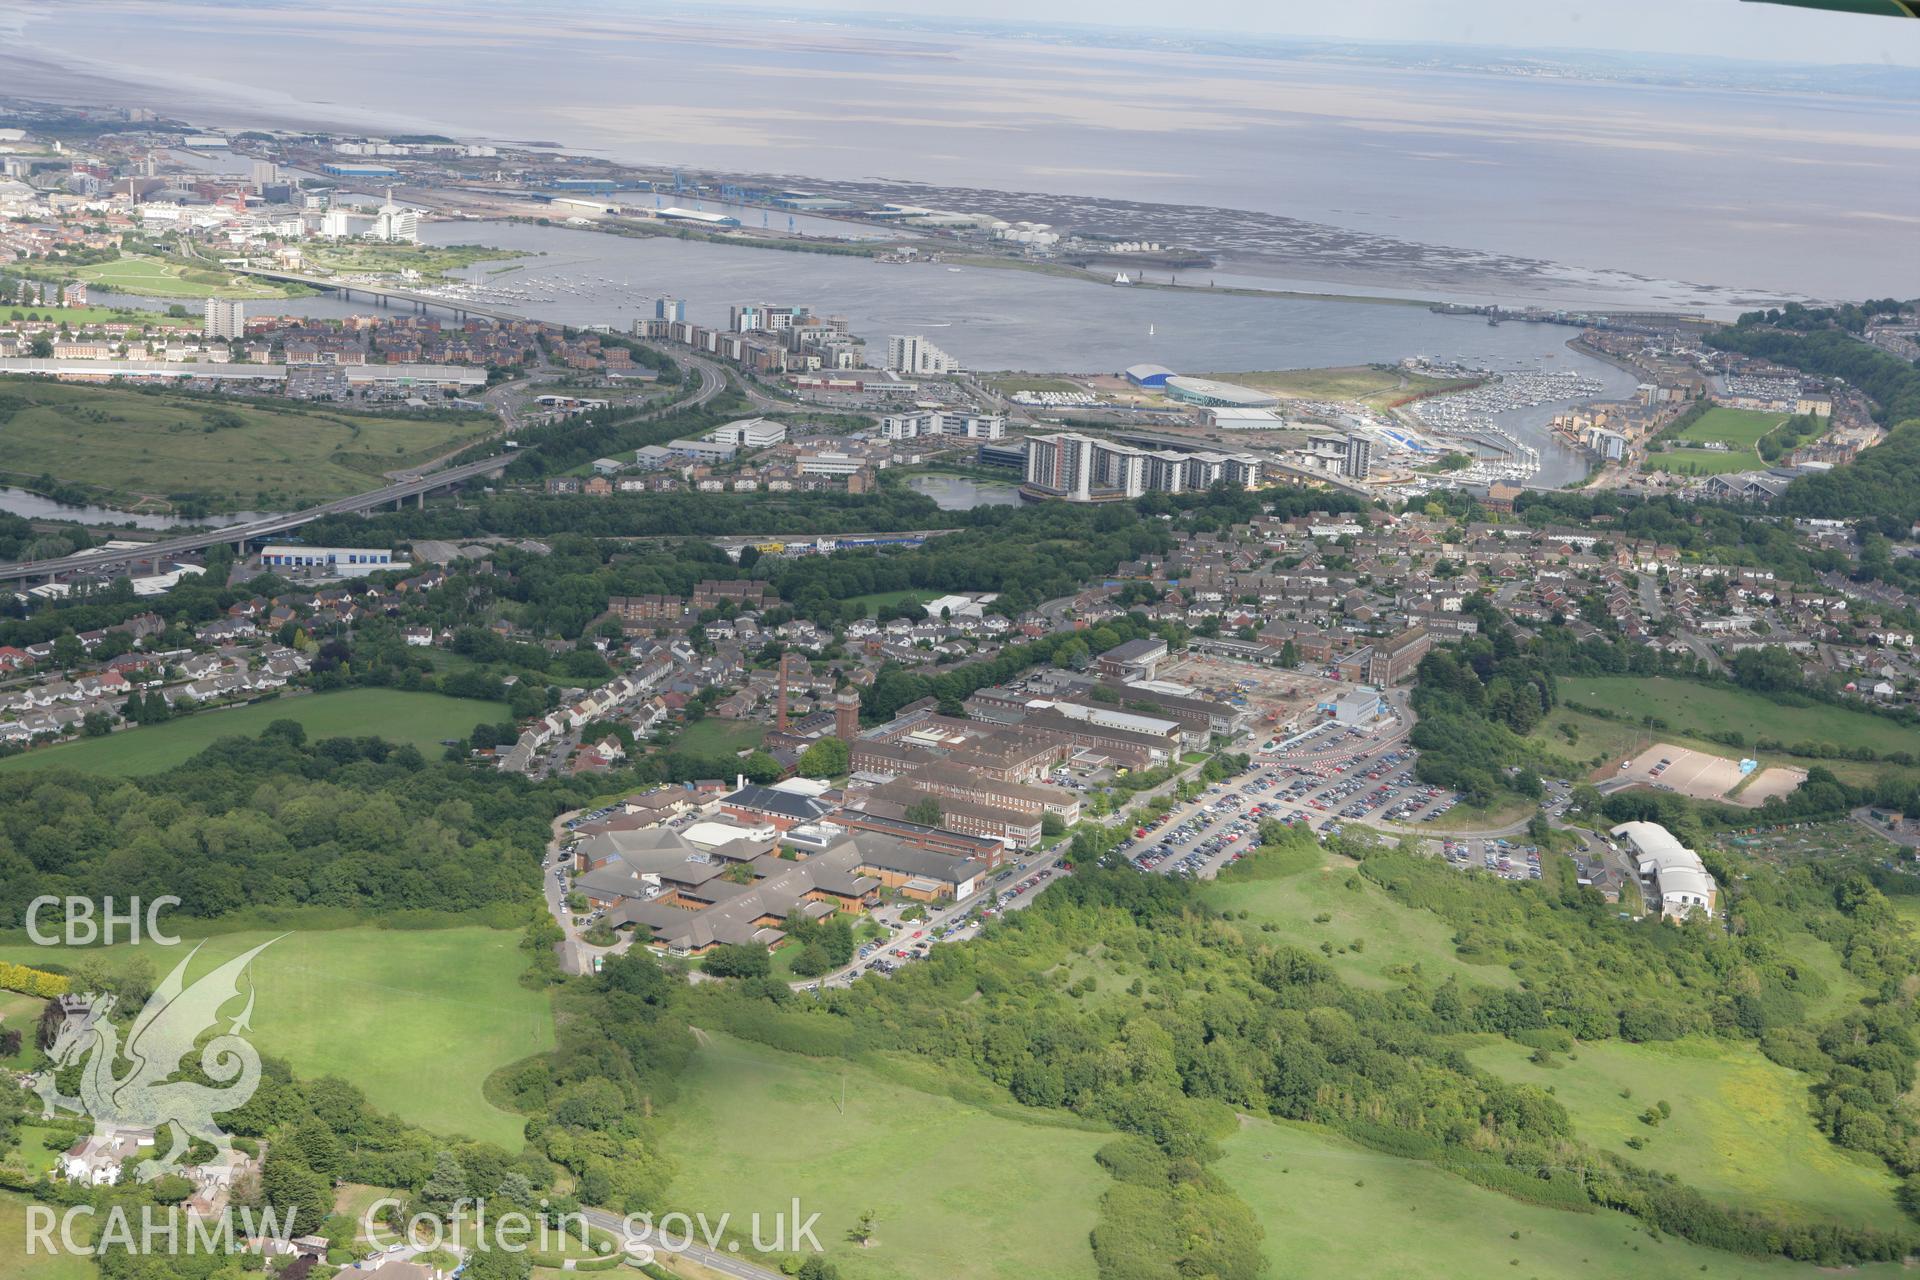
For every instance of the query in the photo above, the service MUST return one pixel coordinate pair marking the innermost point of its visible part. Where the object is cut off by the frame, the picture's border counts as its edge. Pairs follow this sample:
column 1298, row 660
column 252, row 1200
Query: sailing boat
column 1149, row 328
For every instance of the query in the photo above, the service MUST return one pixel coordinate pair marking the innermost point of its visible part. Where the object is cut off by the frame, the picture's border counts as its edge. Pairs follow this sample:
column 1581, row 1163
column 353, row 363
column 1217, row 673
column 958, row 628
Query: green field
column 1331, row 1208
column 75, row 317
column 19, row 1013
column 158, row 278
column 1348, row 382
column 15, row 1264
column 417, row 1019
column 421, row 719
column 957, row 1192
column 877, row 599
column 1394, row 939
column 432, row 261
column 1739, row 1131
column 714, row 736
column 1702, row 709
column 234, row 454
column 1738, row 429
column 1704, row 462
column 31, row 1151
column 1735, row 428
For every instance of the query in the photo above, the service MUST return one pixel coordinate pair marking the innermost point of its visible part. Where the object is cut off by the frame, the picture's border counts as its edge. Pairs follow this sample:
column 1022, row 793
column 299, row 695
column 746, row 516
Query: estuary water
column 1787, row 190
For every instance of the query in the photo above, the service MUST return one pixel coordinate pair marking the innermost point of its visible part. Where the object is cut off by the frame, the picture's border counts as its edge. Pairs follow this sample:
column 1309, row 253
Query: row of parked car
column 1502, row 857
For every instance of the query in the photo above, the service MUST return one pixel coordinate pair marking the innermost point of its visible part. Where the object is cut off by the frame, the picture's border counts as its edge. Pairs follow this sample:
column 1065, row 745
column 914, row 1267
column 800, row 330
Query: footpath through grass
column 423, row 720
column 958, row 1193
column 417, row 1019
column 1331, row 1208
column 1739, row 1129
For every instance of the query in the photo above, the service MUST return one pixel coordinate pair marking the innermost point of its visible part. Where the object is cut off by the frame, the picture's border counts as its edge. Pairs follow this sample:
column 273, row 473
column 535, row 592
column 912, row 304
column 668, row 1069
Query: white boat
column 1149, row 329
column 1123, row 278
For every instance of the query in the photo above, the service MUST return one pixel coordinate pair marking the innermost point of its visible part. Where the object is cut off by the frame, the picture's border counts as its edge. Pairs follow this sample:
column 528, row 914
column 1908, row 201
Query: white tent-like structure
column 1670, row 873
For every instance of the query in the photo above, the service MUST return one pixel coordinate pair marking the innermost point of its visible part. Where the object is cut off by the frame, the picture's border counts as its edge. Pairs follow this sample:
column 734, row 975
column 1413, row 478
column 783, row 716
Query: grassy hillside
column 423, row 720
column 1331, row 1208
column 957, row 1193
column 1286, row 892
column 235, row 454
column 416, row 1019
column 1739, row 1128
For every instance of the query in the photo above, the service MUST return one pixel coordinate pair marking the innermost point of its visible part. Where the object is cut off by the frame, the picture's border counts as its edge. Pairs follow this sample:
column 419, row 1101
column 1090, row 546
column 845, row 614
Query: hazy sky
column 1729, row 28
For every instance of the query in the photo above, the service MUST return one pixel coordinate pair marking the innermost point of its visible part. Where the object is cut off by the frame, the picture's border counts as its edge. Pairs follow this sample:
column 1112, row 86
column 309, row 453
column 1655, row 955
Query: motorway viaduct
column 415, row 487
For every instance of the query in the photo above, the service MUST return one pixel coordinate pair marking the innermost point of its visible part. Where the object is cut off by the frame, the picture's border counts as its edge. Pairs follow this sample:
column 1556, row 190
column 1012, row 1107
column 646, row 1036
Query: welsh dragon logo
column 150, row 1095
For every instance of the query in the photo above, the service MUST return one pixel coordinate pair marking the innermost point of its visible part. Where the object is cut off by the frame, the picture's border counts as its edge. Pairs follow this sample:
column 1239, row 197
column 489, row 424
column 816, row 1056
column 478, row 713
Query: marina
column 1485, row 418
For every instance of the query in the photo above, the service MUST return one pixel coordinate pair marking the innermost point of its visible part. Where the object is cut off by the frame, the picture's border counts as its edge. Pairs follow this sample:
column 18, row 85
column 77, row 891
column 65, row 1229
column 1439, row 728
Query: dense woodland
column 278, row 821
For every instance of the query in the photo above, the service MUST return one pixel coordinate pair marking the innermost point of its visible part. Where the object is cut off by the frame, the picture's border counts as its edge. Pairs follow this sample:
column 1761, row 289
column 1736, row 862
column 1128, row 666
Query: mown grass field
column 1735, row 428
column 877, row 599
column 715, row 736
column 423, row 720
column 233, row 453
column 958, row 1193
column 19, row 1013
column 1392, row 938
column 1331, row 1208
column 1704, row 462
column 1739, row 1132
column 1702, row 709
column 16, row 1264
column 417, row 1019
column 1740, row 430
column 157, row 278
column 31, row 1152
